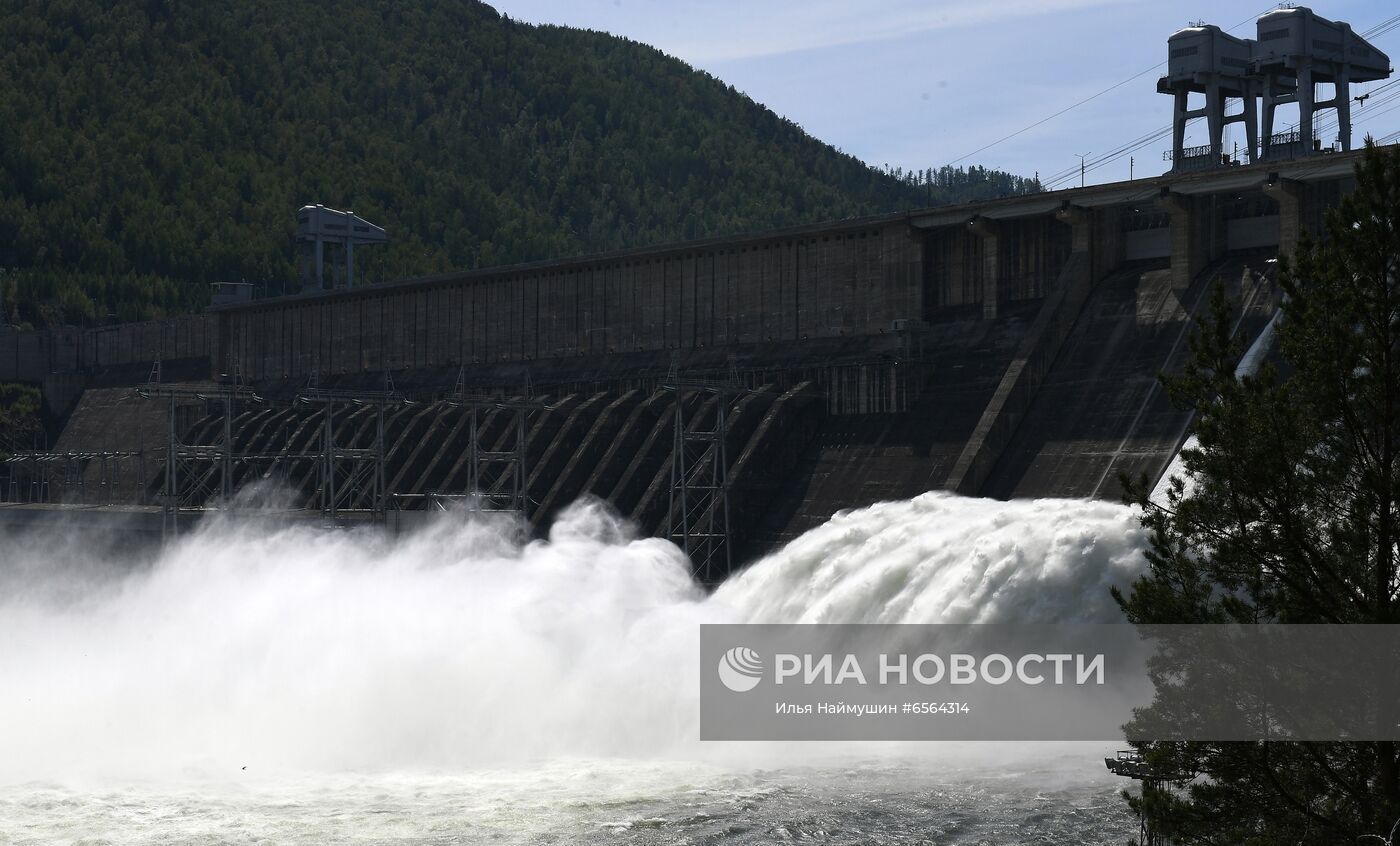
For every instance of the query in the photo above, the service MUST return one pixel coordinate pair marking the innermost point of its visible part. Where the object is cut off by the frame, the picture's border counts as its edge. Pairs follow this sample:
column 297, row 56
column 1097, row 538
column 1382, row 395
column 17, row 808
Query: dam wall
column 1008, row 348
column 844, row 279
column 839, row 281
column 28, row 356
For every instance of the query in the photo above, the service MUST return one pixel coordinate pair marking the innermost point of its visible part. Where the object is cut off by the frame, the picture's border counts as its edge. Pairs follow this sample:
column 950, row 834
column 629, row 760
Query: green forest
column 149, row 148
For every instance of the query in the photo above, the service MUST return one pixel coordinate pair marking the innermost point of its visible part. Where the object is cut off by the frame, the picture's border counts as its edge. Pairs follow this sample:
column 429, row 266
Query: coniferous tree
column 19, row 419
column 147, row 149
column 1291, row 515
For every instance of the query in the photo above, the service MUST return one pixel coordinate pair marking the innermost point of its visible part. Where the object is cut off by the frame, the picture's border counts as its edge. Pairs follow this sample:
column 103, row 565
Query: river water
column 259, row 685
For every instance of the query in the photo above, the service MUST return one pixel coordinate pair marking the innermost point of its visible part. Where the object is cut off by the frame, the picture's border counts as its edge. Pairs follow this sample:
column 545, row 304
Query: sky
column 916, row 84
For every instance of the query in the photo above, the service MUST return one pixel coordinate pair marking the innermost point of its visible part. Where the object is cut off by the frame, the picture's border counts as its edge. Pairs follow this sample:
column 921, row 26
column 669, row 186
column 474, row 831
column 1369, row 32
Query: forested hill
column 147, row 148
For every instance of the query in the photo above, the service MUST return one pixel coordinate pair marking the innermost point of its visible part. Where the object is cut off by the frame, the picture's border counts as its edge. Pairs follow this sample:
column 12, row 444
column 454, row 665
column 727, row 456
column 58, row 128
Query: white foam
column 295, row 650
column 940, row 558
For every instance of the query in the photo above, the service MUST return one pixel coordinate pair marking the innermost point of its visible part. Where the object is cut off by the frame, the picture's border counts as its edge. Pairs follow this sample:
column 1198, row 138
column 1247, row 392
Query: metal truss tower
column 350, row 478
column 698, row 517
column 183, row 487
column 497, row 480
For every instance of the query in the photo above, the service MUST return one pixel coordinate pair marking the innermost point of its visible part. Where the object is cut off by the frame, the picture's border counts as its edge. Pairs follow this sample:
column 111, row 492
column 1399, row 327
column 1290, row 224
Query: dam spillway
column 1008, row 348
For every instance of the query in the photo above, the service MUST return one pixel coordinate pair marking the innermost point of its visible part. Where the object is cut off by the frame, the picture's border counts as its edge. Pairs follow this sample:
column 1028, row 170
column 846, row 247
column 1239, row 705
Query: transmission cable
column 1382, row 28
column 1132, row 146
column 1112, row 87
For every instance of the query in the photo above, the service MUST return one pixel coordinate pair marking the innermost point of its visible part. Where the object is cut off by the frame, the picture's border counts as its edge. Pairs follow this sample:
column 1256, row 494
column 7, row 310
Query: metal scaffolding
column 31, row 475
column 350, row 478
column 183, row 486
column 38, row 476
column 497, row 479
column 338, row 443
column 698, row 517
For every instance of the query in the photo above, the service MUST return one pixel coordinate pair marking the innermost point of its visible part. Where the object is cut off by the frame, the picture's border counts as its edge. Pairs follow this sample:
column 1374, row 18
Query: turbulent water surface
column 274, row 685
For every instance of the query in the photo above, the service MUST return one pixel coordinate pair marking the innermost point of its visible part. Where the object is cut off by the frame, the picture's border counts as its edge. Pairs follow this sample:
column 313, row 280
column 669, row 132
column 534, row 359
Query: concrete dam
column 729, row 393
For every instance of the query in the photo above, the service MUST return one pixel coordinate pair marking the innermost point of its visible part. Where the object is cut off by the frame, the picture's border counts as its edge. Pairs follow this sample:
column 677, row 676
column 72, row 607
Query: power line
column 1385, row 111
column 1058, row 179
column 1116, row 153
column 1331, row 123
column 1383, row 27
column 1120, row 150
column 1367, row 106
column 1057, row 114
column 1091, row 97
column 1152, row 140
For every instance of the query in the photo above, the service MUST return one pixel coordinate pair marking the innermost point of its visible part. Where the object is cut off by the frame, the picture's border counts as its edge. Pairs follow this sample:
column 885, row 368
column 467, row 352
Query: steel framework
column 183, row 487
column 42, row 471
column 698, row 517
column 350, row 478
column 497, row 480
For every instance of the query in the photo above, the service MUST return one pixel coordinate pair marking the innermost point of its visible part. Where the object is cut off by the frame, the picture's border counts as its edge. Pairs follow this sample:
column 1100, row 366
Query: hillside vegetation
column 147, row 148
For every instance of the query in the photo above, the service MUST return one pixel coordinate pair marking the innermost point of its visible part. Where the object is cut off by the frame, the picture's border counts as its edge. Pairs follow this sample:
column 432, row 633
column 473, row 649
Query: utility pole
column 1130, row 168
column 1082, row 157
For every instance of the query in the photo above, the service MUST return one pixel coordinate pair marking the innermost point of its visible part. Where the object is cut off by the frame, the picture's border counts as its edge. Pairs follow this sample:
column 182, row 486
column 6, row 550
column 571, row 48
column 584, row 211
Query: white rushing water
column 297, row 685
